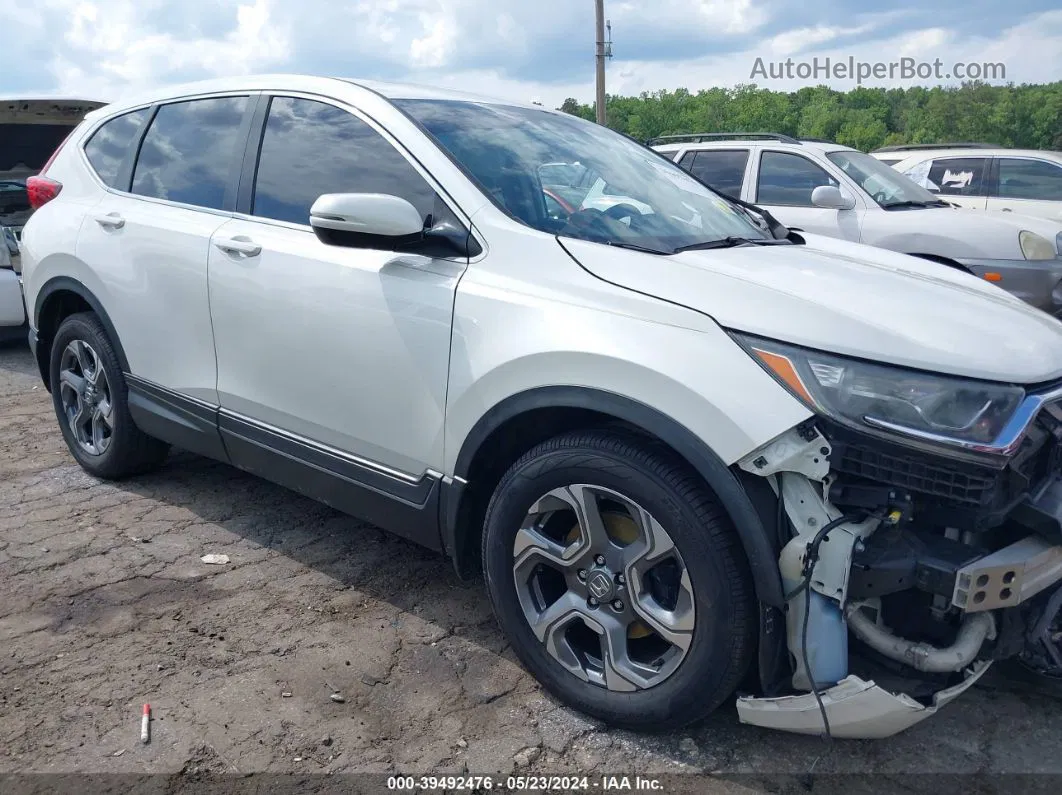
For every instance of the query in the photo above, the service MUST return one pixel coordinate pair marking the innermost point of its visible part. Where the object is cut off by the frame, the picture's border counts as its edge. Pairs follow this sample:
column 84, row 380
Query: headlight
column 938, row 408
column 1033, row 246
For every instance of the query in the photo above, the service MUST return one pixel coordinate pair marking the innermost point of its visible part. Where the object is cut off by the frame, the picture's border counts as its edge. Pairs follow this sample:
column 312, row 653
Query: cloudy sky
column 537, row 50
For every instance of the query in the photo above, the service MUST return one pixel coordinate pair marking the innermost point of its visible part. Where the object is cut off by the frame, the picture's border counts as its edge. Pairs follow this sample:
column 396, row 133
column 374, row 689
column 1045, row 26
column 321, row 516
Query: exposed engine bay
column 906, row 574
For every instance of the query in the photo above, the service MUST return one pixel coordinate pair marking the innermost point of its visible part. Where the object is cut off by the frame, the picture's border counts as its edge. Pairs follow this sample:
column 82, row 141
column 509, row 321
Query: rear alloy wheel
column 91, row 403
column 85, row 394
column 619, row 580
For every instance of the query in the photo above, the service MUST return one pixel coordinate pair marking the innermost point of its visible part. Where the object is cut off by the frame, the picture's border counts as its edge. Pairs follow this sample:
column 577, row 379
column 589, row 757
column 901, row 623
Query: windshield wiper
column 636, row 247
column 729, row 242
column 894, row 205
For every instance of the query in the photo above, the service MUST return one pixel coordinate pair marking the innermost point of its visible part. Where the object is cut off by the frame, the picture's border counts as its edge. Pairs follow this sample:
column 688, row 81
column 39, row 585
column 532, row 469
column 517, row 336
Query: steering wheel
column 617, row 212
column 881, row 197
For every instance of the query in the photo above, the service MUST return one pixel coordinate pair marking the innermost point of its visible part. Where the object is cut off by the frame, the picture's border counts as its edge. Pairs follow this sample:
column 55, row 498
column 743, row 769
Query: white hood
column 849, row 299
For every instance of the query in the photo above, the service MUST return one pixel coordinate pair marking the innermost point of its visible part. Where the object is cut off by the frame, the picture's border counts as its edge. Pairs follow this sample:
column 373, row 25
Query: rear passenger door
column 722, row 169
column 170, row 173
column 1027, row 185
column 784, row 184
column 335, row 355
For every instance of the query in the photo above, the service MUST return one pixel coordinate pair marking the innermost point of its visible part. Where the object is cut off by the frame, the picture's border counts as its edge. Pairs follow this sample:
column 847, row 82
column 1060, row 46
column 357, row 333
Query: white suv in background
column 689, row 448
column 1027, row 181
column 838, row 191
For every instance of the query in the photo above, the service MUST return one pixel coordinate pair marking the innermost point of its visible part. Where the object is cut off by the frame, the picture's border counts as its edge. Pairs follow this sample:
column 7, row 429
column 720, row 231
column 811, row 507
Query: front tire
column 91, row 402
column 619, row 580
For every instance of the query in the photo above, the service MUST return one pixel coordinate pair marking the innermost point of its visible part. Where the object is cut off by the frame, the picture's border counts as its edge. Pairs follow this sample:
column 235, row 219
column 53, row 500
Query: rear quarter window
column 109, row 145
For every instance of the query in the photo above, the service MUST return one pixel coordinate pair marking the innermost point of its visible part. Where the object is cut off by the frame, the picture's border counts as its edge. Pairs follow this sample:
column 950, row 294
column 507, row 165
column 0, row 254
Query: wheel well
column 57, row 300
column 499, row 451
column 943, row 261
column 518, row 424
column 57, row 307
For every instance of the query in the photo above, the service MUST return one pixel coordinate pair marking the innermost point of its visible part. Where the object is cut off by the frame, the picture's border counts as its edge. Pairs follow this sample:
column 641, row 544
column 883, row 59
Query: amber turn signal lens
column 782, row 367
column 993, row 277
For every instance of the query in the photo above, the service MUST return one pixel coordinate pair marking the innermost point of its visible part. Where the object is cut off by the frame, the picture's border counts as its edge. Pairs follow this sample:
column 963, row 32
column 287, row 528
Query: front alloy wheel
column 619, row 580
column 603, row 587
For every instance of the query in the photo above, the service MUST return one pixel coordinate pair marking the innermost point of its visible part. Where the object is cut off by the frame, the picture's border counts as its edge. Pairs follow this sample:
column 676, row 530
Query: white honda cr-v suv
column 691, row 451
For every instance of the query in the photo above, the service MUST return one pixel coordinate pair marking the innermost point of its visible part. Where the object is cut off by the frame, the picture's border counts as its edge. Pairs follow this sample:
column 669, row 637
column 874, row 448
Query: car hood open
column 849, row 299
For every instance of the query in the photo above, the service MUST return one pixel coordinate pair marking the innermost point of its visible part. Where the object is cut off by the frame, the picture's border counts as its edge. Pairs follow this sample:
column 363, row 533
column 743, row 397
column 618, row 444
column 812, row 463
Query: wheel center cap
column 599, row 584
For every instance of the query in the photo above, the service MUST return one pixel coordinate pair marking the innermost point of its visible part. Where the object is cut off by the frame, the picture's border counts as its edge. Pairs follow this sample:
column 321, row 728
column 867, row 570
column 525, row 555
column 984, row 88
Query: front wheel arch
column 550, row 411
column 943, row 261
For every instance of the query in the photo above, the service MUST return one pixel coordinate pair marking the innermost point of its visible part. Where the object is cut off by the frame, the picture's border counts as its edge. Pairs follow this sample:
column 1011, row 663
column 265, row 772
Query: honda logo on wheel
column 600, row 585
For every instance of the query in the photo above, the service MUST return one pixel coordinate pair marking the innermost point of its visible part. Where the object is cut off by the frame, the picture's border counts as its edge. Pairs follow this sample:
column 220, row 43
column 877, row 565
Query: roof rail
column 916, row 147
column 696, row 138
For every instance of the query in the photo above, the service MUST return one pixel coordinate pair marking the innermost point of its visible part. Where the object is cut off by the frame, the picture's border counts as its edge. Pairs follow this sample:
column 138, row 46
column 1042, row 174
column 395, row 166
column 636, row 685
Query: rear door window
column 957, row 176
column 723, row 169
column 109, row 145
column 192, row 152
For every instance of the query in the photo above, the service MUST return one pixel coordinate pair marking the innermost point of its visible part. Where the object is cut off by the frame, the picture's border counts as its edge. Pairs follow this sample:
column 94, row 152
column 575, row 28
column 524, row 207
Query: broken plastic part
column 974, row 630
column 857, row 709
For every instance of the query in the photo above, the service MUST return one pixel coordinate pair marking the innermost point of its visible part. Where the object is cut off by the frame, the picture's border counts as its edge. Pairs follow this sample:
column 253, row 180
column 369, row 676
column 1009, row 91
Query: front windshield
column 569, row 177
column 887, row 186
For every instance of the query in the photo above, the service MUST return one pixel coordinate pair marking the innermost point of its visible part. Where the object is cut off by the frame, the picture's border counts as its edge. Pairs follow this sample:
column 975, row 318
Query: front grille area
column 924, row 475
column 951, row 492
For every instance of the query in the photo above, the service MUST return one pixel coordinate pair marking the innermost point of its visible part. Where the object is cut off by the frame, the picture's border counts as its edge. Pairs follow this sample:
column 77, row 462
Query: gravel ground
column 327, row 646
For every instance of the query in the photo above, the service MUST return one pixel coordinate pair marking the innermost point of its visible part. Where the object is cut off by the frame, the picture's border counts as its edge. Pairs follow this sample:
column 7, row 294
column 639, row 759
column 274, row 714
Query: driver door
column 784, row 183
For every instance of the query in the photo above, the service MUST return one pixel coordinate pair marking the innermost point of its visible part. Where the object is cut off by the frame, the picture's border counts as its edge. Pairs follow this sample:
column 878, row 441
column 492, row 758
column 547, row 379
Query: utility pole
column 600, row 4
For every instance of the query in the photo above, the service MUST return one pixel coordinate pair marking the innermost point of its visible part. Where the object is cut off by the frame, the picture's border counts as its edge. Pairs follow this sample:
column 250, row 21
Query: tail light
column 41, row 190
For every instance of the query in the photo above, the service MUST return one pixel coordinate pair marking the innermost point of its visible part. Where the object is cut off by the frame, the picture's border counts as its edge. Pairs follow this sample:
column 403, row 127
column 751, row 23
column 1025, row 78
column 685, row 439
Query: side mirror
column 365, row 220
column 830, row 197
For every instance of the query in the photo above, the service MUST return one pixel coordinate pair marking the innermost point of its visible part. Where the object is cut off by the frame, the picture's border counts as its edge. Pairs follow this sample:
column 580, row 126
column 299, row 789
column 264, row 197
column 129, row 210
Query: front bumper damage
column 979, row 584
column 856, row 709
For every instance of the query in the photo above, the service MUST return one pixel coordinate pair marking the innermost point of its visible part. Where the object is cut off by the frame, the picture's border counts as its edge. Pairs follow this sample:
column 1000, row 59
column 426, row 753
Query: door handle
column 110, row 221
column 239, row 245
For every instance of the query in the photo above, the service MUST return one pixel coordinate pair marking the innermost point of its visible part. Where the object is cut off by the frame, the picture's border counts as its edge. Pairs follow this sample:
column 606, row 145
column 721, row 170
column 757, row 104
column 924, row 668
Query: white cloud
column 1029, row 50
column 526, row 49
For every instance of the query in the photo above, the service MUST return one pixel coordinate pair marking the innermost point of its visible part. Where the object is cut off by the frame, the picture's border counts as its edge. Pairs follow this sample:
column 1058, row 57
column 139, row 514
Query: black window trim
column 994, row 193
column 253, row 151
column 819, row 166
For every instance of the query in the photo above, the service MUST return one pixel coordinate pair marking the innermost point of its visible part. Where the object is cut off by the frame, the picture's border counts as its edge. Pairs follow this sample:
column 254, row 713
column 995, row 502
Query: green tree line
column 1023, row 116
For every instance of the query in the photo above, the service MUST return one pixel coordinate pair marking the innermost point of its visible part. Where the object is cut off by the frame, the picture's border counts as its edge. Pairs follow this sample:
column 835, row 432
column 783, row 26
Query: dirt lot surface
column 105, row 605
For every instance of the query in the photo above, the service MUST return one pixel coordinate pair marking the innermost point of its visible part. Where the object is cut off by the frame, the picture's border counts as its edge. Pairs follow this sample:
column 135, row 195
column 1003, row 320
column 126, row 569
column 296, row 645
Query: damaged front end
column 909, row 565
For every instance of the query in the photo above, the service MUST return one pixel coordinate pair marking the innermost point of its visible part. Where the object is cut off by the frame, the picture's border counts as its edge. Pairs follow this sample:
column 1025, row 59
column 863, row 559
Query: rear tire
column 90, row 396
column 680, row 676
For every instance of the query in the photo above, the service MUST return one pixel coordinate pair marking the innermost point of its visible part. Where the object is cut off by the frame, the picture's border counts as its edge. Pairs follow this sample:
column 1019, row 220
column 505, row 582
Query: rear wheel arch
column 528, row 418
column 59, row 298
